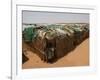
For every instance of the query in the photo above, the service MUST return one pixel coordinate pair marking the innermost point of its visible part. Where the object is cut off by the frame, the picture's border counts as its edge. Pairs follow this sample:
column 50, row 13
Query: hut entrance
column 50, row 50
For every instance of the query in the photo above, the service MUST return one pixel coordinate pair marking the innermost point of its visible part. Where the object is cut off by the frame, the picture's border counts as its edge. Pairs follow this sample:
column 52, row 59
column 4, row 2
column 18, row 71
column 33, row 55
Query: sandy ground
column 78, row 57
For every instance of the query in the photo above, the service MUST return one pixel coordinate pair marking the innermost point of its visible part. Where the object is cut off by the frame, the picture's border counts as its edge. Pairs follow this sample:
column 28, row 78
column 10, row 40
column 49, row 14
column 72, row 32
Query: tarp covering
column 54, row 40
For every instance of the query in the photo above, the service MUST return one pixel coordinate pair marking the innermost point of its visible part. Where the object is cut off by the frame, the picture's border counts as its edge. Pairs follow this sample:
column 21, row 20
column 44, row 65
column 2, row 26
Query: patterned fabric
column 53, row 30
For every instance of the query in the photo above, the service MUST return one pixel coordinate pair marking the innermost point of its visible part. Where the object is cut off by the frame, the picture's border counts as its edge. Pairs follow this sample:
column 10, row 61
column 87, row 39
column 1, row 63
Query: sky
column 31, row 17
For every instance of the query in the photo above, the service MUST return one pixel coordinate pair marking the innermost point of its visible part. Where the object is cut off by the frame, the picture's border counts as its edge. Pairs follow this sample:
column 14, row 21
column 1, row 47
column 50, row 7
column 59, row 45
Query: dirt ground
column 78, row 57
